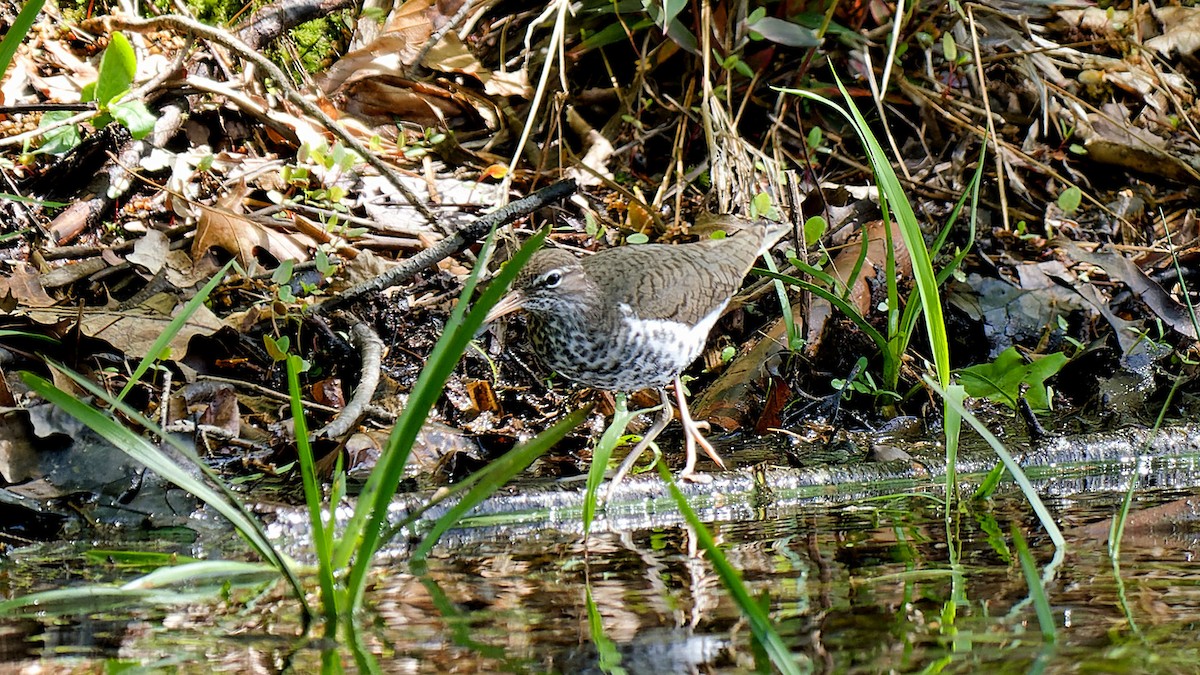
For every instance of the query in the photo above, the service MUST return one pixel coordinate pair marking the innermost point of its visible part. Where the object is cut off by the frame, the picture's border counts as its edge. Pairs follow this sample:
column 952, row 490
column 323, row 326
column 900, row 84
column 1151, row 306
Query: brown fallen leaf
column 25, row 287
column 135, row 330
column 223, row 227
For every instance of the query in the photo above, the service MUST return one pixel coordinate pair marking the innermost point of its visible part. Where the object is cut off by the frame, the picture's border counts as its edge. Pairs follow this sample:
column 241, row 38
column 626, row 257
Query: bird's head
column 551, row 282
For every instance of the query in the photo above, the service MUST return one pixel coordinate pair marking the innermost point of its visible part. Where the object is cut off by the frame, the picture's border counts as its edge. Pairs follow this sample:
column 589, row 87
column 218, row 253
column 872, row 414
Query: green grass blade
column 363, row 658
column 496, row 474
column 953, row 430
column 1014, row 469
column 159, row 346
column 914, row 240
column 789, row 321
column 216, row 572
column 83, row 600
column 818, row 274
column 910, row 230
column 608, row 658
column 206, row 579
column 137, row 447
column 839, row 303
column 28, row 335
column 321, row 537
column 17, row 32
column 1037, row 591
column 372, row 509
column 600, row 456
column 760, row 624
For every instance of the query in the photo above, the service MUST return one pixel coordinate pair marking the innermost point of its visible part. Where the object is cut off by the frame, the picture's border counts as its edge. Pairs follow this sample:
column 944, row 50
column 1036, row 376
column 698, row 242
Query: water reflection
column 857, row 581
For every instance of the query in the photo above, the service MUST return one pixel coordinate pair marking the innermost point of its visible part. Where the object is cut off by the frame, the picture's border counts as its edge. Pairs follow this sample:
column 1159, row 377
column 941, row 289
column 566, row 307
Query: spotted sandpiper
column 633, row 317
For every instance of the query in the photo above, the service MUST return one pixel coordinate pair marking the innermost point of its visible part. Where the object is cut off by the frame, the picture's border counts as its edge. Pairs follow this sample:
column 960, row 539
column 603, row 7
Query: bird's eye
column 551, row 279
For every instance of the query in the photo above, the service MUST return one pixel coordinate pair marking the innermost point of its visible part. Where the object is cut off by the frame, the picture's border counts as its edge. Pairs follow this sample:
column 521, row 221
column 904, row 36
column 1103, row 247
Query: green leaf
column 190, row 477
column 1001, row 380
column 784, row 32
column 608, row 654
column 1070, row 199
column 278, row 349
column 283, row 273
column 816, row 136
column 949, row 48
column 59, row 141
column 161, row 343
column 671, row 9
column 364, row 531
column 761, row 207
column 117, row 69
column 135, row 116
column 814, row 229
column 324, row 265
column 637, row 238
column 611, row 34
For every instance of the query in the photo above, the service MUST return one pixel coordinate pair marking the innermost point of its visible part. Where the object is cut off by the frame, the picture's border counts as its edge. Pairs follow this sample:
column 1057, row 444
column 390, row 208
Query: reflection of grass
column 357, row 543
column 761, row 626
column 1117, row 531
column 609, row 657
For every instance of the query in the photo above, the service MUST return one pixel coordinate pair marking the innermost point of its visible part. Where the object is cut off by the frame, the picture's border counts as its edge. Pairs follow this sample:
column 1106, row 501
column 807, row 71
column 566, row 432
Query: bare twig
column 370, row 348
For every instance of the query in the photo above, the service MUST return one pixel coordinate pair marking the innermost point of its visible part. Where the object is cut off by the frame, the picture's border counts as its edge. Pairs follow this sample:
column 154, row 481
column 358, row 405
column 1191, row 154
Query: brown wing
column 683, row 282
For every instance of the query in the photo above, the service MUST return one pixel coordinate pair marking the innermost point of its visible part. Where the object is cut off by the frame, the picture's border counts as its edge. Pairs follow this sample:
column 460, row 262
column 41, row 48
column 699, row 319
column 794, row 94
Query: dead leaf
column 1181, row 31
column 26, row 287
column 241, row 236
column 135, row 330
column 150, row 251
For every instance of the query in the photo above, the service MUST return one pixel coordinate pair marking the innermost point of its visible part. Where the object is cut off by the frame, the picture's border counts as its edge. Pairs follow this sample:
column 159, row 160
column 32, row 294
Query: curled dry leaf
column 224, row 227
column 373, row 82
column 1181, row 31
column 25, row 286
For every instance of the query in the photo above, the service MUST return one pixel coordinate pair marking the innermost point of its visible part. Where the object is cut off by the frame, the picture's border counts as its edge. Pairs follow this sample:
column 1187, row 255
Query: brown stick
column 454, row 243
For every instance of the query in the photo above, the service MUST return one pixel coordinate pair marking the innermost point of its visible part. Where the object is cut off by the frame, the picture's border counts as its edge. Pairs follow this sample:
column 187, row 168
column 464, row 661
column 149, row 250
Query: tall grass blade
column 910, row 230
column 760, row 624
column 1014, row 469
column 789, row 321
column 832, row 298
column 497, row 473
column 608, row 655
column 371, row 511
column 205, row 580
column 159, row 346
column 219, row 498
column 600, row 456
column 17, row 31
column 322, row 537
column 1037, row 591
column 953, row 429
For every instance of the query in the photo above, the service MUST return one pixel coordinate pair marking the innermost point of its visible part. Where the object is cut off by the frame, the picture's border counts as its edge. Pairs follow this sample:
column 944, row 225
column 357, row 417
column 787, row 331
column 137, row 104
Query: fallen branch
column 453, row 244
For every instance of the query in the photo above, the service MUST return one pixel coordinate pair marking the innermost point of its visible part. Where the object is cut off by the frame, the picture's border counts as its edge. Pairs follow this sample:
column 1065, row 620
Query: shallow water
column 857, row 579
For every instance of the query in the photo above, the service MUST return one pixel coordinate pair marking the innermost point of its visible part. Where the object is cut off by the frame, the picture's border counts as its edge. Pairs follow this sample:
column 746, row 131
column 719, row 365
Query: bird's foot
column 693, row 477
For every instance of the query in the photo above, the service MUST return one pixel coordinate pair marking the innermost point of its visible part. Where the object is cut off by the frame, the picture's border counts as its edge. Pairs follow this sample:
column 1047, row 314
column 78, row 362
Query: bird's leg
column 664, row 418
column 692, row 437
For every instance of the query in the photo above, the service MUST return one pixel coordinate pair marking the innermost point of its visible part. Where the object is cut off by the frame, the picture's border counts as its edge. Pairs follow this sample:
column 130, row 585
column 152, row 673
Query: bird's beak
column 510, row 303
